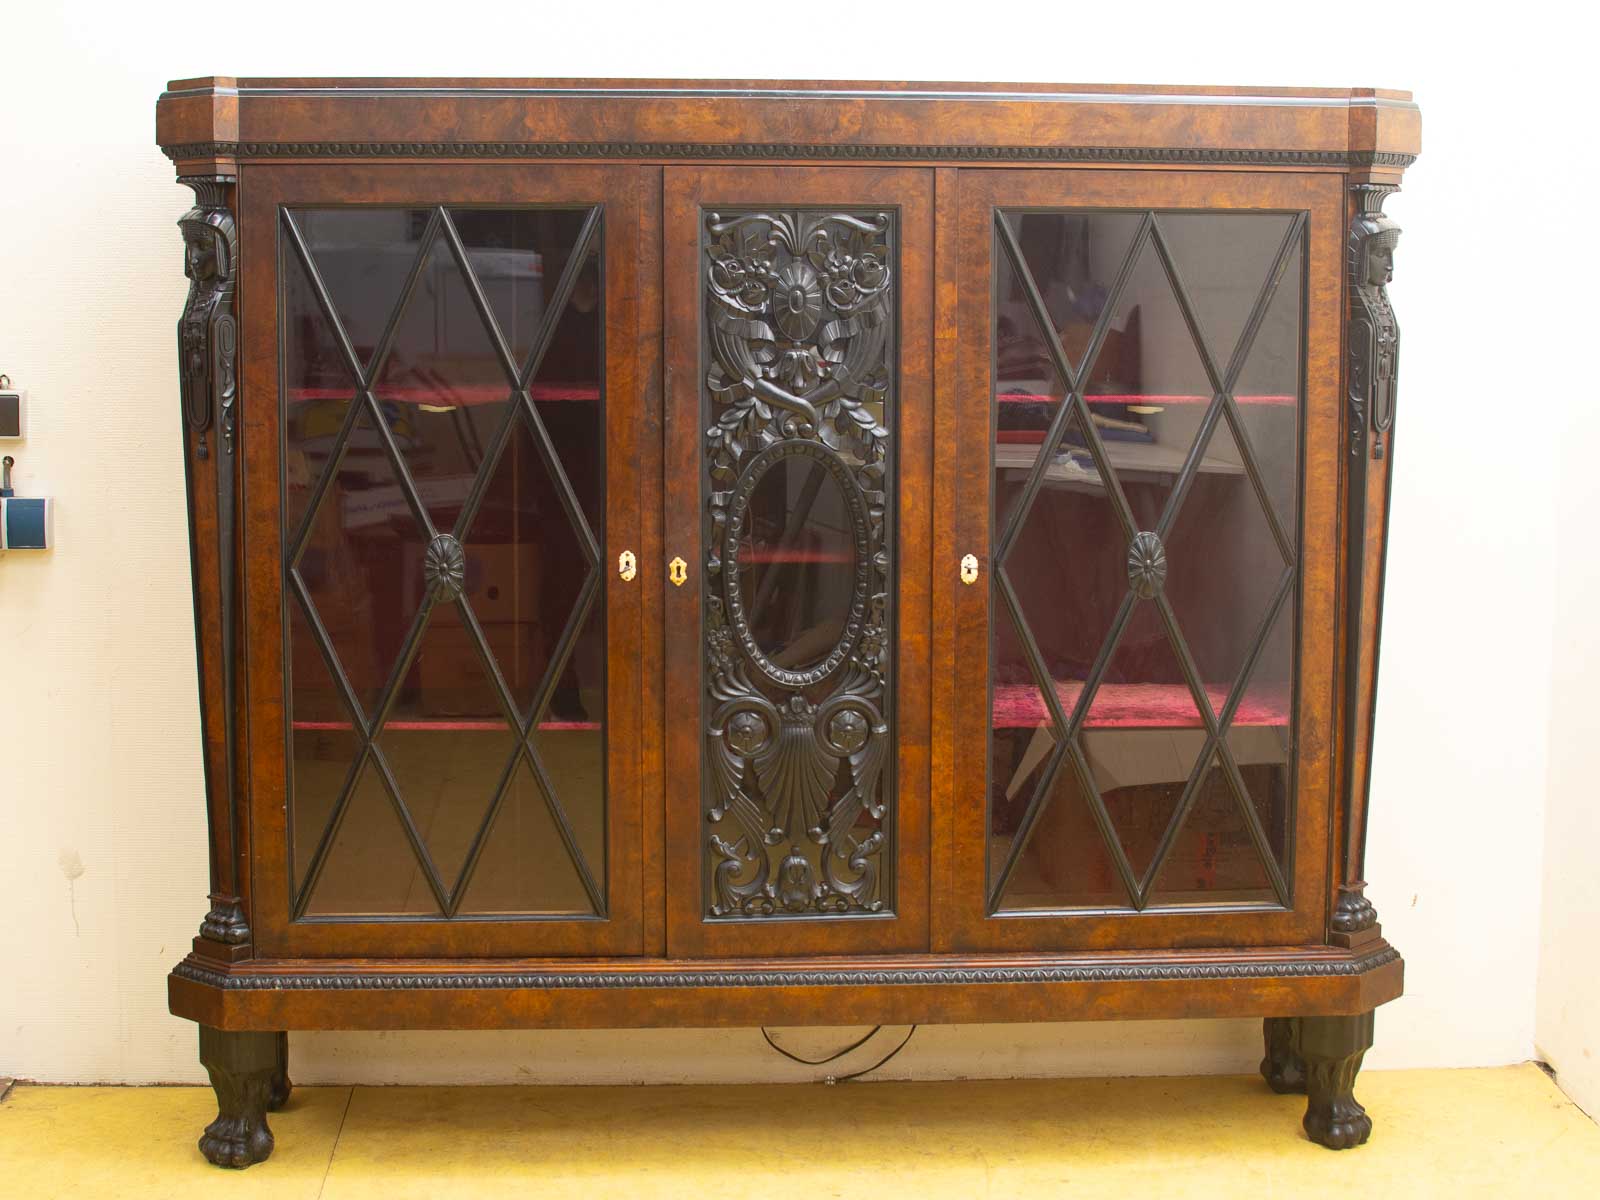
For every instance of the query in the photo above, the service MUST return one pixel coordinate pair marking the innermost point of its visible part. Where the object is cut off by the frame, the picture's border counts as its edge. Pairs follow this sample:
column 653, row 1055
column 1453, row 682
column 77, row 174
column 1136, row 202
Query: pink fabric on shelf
column 1137, row 705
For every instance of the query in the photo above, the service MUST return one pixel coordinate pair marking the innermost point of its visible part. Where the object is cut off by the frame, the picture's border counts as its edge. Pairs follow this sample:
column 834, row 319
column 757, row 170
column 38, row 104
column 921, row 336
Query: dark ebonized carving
column 444, row 567
column 249, row 1078
column 1374, row 334
column 1332, row 1049
column 282, row 1088
column 742, row 977
column 1371, row 371
column 1353, row 912
column 799, row 329
column 1281, row 1065
column 208, row 339
column 1147, row 565
column 208, row 353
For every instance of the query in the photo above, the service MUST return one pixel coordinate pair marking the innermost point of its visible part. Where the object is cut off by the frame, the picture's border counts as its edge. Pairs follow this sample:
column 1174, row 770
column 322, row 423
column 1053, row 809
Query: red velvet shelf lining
column 1137, row 705
column 463, row 396
column 447, row 726
column 1153, row 401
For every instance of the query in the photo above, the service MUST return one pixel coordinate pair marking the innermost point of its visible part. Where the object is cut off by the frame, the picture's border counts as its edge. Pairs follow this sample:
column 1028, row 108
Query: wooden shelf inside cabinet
column 1136, row 705
column 1143, row 400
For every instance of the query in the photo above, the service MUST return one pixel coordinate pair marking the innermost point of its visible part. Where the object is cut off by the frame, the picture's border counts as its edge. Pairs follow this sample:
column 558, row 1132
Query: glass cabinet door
column 1143, row 751
column 799, row 419
column 456, row 488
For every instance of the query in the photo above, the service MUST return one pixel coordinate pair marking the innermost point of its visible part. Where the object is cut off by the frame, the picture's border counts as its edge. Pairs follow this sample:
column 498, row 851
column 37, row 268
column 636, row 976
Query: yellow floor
column 1506, row 1132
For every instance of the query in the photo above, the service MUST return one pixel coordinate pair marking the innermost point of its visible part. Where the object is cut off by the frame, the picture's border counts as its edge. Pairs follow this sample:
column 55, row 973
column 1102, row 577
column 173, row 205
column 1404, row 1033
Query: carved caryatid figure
column 1374, row 334
column 208, row 347
column 207, row 333
column 1374, row 349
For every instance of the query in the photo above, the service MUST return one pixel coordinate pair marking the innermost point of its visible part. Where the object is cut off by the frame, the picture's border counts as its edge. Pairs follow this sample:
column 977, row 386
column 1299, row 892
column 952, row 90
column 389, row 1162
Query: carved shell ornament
column 1147, row 565
column 444, row 568
column 798, row 325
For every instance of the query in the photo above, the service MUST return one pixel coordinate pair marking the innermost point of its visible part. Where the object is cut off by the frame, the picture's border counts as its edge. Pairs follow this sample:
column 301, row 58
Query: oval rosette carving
column 738, row 516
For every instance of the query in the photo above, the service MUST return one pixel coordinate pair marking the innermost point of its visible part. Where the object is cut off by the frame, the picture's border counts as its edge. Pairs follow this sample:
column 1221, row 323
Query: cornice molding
column 1178, row 155
column 736, row 977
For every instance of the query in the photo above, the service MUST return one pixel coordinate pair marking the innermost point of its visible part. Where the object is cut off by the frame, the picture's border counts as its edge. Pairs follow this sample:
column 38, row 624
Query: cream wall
column 102, row 863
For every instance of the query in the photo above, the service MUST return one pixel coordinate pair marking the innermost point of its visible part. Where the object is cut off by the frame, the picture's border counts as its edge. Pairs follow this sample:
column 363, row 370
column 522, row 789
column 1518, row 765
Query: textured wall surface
column 102, row 864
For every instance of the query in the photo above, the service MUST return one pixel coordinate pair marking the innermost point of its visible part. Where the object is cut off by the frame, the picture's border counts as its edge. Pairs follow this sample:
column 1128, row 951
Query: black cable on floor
column 817, row 1062
column 832, row 1079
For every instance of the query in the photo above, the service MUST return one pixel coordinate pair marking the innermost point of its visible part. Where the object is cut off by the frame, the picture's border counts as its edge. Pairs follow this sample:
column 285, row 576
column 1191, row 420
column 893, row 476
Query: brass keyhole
column 627, row 566
column 678, row 572
column 969, row 569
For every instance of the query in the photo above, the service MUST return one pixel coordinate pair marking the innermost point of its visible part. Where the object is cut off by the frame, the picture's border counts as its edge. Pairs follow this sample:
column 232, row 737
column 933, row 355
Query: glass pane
column 447, row 773
column 1148, row 390
column 318, row 390
column 362, row 563
column 1268, row 395
column 525, row 867
column 797, row 563
column 570, row 742
column 1224, row 259
column 1143, row 735
column 1062, row 535
column 1065, row 863
column 444, row 393
column 526, row 571
column 798, row 491
column 443, row 387
column 1223, row 564
column 518, row 255
column 1219, row 563
column 363, row 256
column 447, row 740
column 1214, row 859
column 1074, row 259
column 370, row 867
column 1141, row 774
column 566, row 388
column 1261, row 737
column 323, row 744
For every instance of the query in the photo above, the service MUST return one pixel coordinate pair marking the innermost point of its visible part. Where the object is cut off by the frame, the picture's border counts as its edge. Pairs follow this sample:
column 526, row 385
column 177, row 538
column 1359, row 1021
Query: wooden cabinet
column 785, row 554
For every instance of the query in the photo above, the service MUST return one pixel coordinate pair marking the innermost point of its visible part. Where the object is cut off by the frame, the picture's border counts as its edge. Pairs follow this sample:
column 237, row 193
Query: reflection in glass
column 797, row 563
column 1214, row 483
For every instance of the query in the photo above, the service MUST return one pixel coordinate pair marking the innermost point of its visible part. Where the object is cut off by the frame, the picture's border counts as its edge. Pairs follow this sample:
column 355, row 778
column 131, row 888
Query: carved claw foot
column 1332, row 1049
column 1335, row 1118
column 237, row 1141
column 1282, row 1067
column 245, row 1072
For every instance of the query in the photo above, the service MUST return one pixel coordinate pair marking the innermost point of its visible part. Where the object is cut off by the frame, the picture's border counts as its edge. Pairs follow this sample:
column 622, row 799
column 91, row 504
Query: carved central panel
column 798, row 487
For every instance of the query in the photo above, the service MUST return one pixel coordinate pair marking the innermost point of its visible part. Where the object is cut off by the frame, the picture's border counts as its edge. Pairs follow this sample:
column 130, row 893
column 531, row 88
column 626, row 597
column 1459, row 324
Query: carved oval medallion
column 796, row 565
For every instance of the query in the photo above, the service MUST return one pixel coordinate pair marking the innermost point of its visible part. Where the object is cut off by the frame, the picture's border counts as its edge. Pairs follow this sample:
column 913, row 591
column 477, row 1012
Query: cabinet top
column 207, row 125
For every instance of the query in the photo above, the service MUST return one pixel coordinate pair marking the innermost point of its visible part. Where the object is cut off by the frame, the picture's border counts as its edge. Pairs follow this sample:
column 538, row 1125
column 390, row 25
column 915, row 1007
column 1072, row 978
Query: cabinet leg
column 245, row 1069
column 1331, row 1049
column 1282, row 1067
column 282, row 1089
